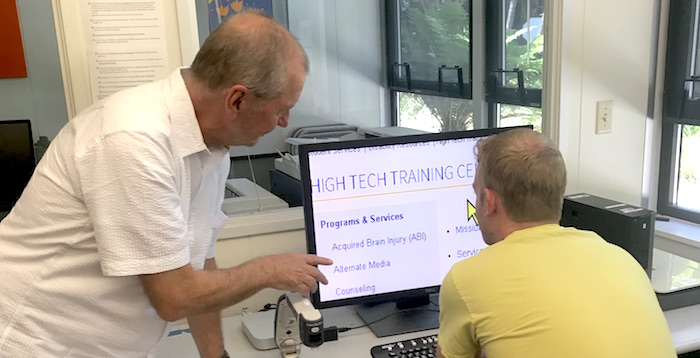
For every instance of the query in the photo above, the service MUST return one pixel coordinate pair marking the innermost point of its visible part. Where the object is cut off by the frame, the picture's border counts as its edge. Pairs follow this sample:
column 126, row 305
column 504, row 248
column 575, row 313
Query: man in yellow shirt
column 539, row 289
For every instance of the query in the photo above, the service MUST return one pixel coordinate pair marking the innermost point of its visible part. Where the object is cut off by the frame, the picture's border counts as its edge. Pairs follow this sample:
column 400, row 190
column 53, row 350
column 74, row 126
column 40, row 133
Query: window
column 679, row 187
column 429, row 52
column 688, row 186
column 510, row 116
column 433, row 113
column 431, row 63
column 514, row 61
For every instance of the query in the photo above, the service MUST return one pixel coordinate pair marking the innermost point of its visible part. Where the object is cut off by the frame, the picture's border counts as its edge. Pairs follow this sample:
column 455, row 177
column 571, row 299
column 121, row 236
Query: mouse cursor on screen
column 471, row 212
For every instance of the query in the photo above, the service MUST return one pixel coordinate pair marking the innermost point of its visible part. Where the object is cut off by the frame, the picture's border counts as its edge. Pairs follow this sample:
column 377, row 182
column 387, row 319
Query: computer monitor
column 16, row 160
column 394, row 214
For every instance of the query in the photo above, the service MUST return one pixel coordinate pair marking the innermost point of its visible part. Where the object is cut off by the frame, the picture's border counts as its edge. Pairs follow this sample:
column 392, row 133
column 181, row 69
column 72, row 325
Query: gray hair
column 527, row 171
column 250, row 49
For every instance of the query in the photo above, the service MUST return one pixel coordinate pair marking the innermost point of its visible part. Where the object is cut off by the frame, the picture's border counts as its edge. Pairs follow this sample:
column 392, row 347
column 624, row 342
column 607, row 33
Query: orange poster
column 11, row 52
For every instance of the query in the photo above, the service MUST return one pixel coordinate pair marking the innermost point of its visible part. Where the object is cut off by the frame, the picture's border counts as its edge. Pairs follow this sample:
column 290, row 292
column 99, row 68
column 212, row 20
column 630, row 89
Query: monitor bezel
column 304, row 151
column 28, row 123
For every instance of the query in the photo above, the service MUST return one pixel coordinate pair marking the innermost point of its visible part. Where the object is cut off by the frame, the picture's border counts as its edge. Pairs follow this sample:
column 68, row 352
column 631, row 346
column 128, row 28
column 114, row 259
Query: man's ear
column 235, row 97
column 492, row 200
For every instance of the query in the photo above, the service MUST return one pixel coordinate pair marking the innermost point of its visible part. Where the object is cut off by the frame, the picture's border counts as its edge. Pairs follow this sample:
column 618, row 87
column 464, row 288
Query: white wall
column 346, row 81
column 343, row 41
column 606, row 56
column 38, row 97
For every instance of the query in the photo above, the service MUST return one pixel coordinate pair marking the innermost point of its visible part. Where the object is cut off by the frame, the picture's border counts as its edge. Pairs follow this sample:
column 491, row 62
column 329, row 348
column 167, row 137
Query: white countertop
column 683, row 322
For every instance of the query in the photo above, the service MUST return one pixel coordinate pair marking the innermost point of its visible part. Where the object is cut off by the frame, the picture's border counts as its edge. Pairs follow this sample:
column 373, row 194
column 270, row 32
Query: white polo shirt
column 128, row 187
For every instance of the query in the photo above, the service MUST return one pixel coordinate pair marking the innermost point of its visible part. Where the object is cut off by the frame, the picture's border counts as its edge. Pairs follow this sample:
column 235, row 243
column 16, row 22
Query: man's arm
column 206, row 328
column 438, row 354
column 184, row 292
column 456, row 337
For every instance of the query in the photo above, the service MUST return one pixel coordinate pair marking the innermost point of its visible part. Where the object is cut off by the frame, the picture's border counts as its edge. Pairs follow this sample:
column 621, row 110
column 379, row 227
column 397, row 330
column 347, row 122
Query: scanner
column 297, row 322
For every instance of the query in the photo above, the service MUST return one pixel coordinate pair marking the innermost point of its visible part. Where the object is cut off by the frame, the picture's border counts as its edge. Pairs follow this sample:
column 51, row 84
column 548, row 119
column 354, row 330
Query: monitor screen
column 394, row 214
column 16, row 160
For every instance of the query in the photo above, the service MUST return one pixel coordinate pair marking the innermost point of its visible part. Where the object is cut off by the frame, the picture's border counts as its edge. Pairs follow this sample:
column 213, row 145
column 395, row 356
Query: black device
column 417, row 347
column 393, row 214
column 16, row 160
column 631, row 228
column 286, row 188
column 627, row 226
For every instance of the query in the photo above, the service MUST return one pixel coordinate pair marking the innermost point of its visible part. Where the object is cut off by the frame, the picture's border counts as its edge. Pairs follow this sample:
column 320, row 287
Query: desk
column 683, row 322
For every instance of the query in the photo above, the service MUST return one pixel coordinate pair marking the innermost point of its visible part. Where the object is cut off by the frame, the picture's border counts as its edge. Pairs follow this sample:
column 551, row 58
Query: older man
column 115, row 233
column 541, row 290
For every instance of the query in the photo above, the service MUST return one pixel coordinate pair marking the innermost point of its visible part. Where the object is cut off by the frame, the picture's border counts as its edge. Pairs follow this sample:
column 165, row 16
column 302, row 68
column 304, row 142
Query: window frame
column 679, row 108
column 496, row 93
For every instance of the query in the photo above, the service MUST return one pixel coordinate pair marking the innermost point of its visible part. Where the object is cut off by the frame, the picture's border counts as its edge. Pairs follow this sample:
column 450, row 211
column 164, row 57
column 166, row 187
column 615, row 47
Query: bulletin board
column 12, row 63
column 107, row 45
column 220, row 10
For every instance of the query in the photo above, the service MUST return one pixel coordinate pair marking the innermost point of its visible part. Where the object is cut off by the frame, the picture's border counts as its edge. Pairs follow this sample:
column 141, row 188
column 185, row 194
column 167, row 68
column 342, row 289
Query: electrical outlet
column 603, row 115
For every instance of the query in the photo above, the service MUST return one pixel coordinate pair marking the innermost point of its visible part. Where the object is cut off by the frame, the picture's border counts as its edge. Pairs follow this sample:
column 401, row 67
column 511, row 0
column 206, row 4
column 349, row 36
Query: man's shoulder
column 139, row 109
column 480, row 262
column 130, row 112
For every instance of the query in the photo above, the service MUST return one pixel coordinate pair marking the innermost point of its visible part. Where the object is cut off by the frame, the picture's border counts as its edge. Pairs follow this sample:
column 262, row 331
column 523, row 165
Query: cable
column 268, row 306
column 252, row 173
column 331, row 333
column 434, row 304
column 345, row 329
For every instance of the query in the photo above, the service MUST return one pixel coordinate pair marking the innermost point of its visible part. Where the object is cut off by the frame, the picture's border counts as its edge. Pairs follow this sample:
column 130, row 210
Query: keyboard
column 421, row 347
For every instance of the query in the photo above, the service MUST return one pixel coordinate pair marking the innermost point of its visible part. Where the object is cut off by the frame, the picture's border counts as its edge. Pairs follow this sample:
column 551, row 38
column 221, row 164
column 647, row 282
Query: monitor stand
column 401, row 316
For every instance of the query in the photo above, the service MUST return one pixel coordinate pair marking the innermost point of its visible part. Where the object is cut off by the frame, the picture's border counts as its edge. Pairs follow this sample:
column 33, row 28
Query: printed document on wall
column 126, row 44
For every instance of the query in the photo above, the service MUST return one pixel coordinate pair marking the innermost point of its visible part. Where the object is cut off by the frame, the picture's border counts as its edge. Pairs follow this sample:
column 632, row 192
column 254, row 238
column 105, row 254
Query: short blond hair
column 250, row 49
column 527, row 171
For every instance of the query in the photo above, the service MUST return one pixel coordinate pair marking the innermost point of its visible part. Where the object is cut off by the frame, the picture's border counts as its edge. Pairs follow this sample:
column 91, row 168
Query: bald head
column 527, row 171
column 252, row 50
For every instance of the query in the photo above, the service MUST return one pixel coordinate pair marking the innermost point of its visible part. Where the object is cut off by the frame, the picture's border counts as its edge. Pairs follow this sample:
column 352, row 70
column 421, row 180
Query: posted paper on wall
column 126, row 44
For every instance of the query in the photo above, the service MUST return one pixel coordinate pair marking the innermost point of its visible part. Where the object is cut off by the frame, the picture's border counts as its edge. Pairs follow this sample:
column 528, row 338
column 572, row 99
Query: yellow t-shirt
column 550, row 291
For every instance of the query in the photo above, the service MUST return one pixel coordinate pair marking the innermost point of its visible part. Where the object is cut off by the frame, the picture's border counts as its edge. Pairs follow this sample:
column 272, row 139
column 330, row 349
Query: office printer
column 285, row 178
column 243, row 196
